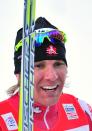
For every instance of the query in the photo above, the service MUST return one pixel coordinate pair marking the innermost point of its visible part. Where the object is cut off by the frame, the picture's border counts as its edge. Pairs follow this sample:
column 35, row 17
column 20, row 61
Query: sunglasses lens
column 51, row 36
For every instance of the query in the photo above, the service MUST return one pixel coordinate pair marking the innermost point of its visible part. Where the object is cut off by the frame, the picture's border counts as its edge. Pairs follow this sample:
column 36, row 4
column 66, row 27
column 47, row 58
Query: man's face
column 49, row 78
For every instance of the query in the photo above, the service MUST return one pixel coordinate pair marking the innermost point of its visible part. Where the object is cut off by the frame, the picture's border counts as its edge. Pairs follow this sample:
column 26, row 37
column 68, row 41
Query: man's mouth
column 50, row 87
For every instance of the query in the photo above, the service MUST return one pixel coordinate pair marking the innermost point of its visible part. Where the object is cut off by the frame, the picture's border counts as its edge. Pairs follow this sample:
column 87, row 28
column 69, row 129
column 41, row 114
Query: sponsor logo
column 10, row 121
column 70, row 111
column 51, row 50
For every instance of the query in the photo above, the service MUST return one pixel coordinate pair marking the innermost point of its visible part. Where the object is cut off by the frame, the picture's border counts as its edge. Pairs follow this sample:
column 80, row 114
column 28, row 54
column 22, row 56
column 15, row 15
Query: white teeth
column 49, row 87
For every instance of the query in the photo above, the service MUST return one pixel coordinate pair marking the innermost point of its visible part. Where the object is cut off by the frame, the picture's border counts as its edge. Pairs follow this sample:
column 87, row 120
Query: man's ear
column 17, row 76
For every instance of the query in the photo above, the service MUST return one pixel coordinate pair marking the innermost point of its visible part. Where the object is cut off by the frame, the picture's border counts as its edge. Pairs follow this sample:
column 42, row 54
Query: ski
column 27, row 69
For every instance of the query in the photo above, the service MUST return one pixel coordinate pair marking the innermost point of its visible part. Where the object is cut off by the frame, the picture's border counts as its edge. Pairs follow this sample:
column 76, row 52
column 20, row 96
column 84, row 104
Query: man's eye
column 59, row 63
column 39, row 66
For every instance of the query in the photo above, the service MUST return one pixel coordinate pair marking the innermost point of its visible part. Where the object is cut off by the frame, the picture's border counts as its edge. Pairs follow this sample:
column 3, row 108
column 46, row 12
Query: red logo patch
column 51, row 50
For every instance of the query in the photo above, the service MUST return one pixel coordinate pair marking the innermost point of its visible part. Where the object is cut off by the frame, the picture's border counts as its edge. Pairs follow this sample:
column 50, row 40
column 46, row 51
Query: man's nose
column 51, row 74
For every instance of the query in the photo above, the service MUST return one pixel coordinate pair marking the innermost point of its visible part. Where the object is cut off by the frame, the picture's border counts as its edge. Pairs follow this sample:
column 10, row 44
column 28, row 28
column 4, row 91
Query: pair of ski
column 27, row 70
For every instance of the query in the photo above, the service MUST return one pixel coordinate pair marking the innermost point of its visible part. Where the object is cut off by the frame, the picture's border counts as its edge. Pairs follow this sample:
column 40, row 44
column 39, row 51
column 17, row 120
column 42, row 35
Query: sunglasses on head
column 48, row 33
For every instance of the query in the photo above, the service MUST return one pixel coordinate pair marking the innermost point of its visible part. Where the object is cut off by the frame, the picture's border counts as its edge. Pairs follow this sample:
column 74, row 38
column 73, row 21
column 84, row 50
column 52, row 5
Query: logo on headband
column 51, row 50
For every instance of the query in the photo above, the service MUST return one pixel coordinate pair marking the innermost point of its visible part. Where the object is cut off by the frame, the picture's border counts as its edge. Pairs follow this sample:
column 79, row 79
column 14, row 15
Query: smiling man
column 53, row 109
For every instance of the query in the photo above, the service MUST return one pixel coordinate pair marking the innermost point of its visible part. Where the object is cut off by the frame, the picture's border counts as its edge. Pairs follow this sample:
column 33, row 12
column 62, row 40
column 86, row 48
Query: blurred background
column 74, row 17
